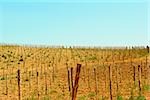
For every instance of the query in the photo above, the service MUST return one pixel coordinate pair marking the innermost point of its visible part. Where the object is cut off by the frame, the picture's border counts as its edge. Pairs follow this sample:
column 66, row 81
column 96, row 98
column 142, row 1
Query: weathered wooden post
column 134, row 74
column 18, row 76
column 117, row 79
column 75, row 87
column 45, row 74
column 29, row 80
column 68, row 79
column 88, row 79
column 110, row 81
column 71, row 77
column 6, row 82
column 95, row 78
column 139, row 76
column 37, row 75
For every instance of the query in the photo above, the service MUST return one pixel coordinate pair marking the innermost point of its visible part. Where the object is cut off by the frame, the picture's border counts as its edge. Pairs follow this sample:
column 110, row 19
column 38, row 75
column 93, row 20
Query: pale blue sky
column 62, row 22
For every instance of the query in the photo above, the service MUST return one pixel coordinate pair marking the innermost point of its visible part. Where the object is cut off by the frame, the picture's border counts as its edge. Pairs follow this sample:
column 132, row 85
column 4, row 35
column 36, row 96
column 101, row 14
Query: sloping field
column 45, row 73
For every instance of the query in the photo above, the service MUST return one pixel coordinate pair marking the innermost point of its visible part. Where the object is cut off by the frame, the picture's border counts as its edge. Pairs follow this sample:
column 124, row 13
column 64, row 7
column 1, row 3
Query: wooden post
column 139, row 76
column 110, row 81
column 105, row 75
column 95, row 78
column 45, row 74
column 19, row 97
column 88, row 79
column 53, row 72
column 117, row 79
column 71, row 77
column 68, row 79
column 37, row 74
column 75, row 87
column 146, row 71
column 134, row 74
column 3, row 78
column 84, row 74
column 6, row 82
column 29, row 80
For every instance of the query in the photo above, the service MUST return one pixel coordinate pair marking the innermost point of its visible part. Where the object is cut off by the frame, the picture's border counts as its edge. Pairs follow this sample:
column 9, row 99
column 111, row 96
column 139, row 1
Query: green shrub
column 146, row 88
column 82, row 98
column 119, row 98
column 141, row 98
column 92, row 94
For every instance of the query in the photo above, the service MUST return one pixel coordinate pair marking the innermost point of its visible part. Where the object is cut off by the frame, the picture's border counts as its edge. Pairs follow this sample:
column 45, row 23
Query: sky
column 70, row 22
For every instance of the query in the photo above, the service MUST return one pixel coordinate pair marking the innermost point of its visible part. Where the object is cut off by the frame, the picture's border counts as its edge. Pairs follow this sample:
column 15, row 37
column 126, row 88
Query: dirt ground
column 128, row 70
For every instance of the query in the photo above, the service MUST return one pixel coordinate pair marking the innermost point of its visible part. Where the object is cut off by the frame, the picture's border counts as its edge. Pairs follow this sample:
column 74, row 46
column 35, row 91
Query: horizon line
column 72, row 46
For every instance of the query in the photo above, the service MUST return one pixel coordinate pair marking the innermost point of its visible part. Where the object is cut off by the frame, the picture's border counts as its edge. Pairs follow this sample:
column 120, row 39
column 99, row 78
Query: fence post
column 18, row 84
column 95, row 78
column 71, row 77
column 110, row 83
column 134, row 74
column 139, row 75
column 75, row 87
column 68, row 79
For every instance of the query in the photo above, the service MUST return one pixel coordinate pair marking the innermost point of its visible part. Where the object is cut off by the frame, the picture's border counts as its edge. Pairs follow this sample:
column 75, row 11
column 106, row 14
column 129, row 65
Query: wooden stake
column 134, row 75
column 75, row 87
column 110, row 82
column 139, row 75
column 95, row 78
column 71, row 77
column 37, row 74
column 68, row 79
column 88, row 79
column 19, row 97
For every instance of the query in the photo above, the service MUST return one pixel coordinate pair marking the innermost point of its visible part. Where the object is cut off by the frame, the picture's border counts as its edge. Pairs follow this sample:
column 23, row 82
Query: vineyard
column 74, row 73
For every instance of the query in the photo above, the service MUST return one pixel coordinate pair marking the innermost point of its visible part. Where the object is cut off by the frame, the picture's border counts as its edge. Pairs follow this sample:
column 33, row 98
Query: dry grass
column 51, row 65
